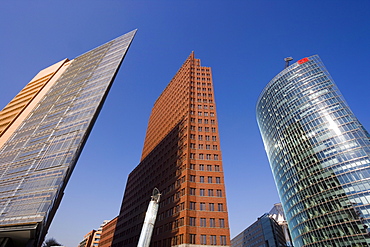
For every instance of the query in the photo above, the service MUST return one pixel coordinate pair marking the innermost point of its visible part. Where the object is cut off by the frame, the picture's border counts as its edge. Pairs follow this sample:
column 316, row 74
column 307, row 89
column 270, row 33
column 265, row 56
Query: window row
column 202, row 192
column 200, row 100
column 210, row 168
column 203, row 95
column 201, row 146
column 206, row 114
column 201, row 89
column 200, row 128
column 203, row 207
column 210, row 179
column 202, row 156
column 206, row 137
column 203, row 222
column 203, row 239
column 201, row 121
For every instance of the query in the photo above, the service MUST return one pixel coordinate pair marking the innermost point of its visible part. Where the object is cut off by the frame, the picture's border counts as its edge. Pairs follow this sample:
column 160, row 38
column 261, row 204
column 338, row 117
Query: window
column 211, row 207
column 220, row 207
column 202, row 206
column 199, row 121
column 206, row 129
column 192, row 156
column 192, row 127
column 208, row 147
column 203, row 239
column 192, row 136
column 215, row 156
column 209, row 167
column 199, row 106
column 192, row 191
column 212, row 222
column 213, row 129
column 212, row 114
column 217, row 168
column 199, row 128
column 192, row 145
column 192, row 166
column 211, row 107
column 210, row 180
column 192, row 205
column 221, row 223
column 206, row 114
column 215, row 147
column 200, row 137
column 219, row 193
column 207, row 138
column 200, row 146
column 218, row 180
column 201, row 179
column 192, row 178
column 192, row 238
column 212, row 121
column 210, row 192
column 206, row 121
column 205, row 107
column 201, row 156
column 213, row 240
column 203, row 222
column 192, row 221
column 208, row 157
column 214, row 138
column 200, row 113
column 223, row 240
column 201, row 192
column 201, row 167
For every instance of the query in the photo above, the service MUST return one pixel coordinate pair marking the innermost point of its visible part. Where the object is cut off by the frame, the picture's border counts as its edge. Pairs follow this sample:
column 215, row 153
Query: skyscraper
column 319, row 154
column 182, row 158
column 42, row 133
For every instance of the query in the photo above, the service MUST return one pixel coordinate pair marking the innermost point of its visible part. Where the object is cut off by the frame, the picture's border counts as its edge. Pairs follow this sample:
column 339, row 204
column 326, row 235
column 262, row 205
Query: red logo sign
column 303, row 60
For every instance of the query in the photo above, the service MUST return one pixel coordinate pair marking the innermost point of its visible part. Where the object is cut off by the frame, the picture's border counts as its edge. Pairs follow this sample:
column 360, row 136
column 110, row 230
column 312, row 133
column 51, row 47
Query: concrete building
column 182, row 158
column 108, row 233
column 42, row 133
column 88, row 238
column 92, row 238
column 319, row 154
column 264, row 232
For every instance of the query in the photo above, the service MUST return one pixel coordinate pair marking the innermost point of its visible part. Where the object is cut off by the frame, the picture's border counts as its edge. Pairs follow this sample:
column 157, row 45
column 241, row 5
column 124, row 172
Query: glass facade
column 319, row 154
column 264, row 232
column 38, row 159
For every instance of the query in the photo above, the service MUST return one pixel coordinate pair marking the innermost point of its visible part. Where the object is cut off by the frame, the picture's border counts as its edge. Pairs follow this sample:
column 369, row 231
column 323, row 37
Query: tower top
column 287, row 60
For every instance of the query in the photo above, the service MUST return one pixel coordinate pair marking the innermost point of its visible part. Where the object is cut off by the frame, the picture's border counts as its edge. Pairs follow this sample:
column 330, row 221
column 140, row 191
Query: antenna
column 287, row 60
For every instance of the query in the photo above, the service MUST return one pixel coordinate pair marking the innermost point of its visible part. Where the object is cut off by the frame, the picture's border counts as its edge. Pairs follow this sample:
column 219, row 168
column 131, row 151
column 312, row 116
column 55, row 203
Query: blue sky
column 244, row 42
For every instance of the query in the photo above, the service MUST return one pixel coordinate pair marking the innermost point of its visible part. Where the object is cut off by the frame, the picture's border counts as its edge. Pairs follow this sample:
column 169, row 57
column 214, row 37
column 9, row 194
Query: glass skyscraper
column 42, row 133
column 319, row 154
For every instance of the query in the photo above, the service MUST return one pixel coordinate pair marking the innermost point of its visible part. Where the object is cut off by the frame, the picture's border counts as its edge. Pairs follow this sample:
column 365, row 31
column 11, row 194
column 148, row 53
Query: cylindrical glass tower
column 319, row 155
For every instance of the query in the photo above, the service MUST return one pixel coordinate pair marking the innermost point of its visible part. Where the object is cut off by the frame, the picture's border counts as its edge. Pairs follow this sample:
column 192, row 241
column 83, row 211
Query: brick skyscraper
column 182, row 158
